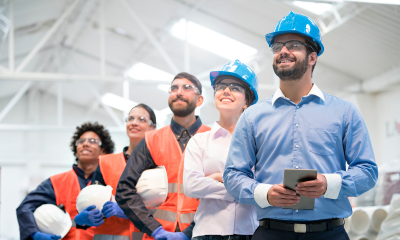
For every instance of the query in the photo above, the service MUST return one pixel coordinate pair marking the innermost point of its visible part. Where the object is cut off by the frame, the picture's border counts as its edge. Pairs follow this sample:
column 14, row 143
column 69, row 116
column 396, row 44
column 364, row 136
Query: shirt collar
column 217, row 130
column 178, row 130
column 80, row 173
column 314, row 91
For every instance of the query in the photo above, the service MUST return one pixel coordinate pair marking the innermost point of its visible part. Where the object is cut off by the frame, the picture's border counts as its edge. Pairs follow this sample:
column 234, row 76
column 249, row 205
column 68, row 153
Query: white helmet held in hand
column 152, row 186
column 52, row 219
column 93, row 195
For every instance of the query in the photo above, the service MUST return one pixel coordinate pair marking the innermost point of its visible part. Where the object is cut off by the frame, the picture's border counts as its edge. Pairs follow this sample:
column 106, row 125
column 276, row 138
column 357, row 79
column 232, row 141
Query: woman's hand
column 216, row 176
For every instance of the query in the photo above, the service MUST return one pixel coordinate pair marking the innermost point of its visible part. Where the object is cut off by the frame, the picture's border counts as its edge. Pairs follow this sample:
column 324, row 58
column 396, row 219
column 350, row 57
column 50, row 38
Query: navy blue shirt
column 43, row 194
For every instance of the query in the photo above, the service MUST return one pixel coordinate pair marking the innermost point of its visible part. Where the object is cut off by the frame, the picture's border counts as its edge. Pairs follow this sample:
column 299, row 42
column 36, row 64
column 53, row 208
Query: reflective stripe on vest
column 111, row 168
column 66, row 189
column 110, row 237
column 165, row 151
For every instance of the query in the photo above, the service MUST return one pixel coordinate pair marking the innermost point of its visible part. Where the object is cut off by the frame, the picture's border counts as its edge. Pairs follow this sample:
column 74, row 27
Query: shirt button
column 297, row 210
column 297, row 125
column 297, row 106
column 297, row 146
column 297, row 167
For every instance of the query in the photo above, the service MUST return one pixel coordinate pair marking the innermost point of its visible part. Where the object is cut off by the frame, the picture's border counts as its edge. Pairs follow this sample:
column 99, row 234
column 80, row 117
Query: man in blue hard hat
column 299, row 127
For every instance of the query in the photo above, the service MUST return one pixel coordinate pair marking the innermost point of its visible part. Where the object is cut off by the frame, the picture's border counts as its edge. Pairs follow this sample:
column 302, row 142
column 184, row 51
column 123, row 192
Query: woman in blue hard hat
column 219, row 214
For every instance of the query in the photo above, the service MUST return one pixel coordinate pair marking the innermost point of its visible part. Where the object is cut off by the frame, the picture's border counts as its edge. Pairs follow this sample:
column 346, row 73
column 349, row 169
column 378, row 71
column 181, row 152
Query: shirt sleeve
column 126, row 195
column 43, row 194
column 238, row 175
column 362, row 173
column 195, row 183
column 98, row 176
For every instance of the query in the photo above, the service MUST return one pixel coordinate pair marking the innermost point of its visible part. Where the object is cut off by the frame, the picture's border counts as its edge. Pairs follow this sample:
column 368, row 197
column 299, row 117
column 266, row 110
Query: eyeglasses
column 92, row 141
column 292, row 46
column 141, row 119
column 234, row 87
column 185, row 88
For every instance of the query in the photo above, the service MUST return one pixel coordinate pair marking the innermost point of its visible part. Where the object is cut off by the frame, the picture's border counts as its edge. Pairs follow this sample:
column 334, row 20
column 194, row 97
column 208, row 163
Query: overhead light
column 141, row 71
column 316, row 8
column 211, row 41
column 118, row 102
column 164, row 87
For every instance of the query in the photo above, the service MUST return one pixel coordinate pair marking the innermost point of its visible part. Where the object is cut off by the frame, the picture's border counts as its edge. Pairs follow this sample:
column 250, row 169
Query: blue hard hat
column 241, row 71
column 300, row 24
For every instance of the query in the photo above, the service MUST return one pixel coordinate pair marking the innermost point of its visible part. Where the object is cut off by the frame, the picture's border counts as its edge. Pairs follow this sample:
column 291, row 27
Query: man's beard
column 294, row 73
column 182, row 111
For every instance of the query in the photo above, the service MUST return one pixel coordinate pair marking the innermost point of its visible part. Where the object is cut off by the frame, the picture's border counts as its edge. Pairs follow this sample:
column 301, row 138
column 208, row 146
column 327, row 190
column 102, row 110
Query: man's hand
column 279, row 196
column 217, row 177
column 314, row 188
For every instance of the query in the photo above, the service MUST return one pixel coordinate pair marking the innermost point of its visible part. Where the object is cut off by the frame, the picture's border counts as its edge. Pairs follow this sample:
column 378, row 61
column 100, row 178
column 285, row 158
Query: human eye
column 277, row 47
column 92, row 140
column 235, row 88
column 187, row 87
column 174, row 88
column 142, row 119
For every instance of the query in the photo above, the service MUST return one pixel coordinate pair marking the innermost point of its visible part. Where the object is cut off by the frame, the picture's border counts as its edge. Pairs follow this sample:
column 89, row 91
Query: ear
column 200, row 100
column 312, row 59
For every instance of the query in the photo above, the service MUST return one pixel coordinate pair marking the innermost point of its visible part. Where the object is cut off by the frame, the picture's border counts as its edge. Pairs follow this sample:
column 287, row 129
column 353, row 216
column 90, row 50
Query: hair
column 106, row 143
column 149, row 110
column 191, row 78
column 249, row 94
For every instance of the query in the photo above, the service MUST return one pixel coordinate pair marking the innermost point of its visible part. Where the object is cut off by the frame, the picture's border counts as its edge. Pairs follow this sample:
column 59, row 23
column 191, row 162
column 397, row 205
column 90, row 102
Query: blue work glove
column 44, row 236
column 112, row 209
column 161, row 234
column 178, row 236
column 89, row 217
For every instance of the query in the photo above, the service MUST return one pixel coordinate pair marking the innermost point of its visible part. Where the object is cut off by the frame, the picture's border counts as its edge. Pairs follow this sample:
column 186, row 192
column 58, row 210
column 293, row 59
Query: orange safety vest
column 111, row 167
column 165, row 151
column 66, row 188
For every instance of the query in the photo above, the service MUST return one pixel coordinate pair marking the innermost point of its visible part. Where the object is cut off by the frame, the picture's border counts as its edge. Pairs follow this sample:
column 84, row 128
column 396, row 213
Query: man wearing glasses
column 165, row 147
column 88, row 142
column 299, row 127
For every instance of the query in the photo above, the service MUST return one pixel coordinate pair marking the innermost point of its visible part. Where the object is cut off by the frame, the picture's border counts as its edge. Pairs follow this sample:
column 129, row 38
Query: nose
column 227, row 91
column 284, row 50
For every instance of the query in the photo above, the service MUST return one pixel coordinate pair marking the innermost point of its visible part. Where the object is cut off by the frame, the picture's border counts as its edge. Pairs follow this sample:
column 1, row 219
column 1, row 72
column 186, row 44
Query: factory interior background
column 66, row 62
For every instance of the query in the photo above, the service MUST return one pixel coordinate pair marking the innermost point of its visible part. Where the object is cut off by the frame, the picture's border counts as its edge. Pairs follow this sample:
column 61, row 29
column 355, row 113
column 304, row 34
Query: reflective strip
column 186, row 217
column 172, row 187
column 73, row 223
column 181, row 189
column 137, row 235
column 165, row 215
column 110, row 237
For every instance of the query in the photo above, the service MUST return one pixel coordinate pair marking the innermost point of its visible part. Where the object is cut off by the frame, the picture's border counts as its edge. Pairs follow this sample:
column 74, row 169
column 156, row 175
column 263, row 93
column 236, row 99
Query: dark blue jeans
column 337, row 233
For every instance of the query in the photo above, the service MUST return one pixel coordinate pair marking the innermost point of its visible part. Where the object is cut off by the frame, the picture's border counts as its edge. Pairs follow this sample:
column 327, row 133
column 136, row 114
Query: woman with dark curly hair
column 89, row 141
column 140, row 120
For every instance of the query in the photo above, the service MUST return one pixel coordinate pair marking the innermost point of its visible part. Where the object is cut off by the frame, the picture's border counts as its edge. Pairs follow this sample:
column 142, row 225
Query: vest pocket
column 322, row 141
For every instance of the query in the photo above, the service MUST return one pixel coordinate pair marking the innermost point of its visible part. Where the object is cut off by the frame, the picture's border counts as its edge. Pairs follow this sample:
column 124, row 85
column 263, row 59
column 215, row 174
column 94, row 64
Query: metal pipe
column 102, row 41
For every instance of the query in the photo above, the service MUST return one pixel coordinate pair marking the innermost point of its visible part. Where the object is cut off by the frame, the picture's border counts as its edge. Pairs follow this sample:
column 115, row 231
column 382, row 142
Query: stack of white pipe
column 365, row 222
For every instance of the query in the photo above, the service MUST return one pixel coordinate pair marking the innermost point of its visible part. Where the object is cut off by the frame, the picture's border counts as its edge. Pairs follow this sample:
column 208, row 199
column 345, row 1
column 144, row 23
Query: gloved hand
column 44, row 236
column 112, row 209
column 161, row 234
column 89, row 217
column 178, row 236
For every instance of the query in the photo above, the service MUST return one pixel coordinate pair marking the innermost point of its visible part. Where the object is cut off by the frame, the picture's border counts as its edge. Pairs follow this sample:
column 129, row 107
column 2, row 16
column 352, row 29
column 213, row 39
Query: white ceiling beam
column 46, row 37
column 376, row 84
column 392, row 2
column 34, row 128
column 11, row 59
column 14, row 100
column 110, row 112
column 102, row 40
column 151, row 37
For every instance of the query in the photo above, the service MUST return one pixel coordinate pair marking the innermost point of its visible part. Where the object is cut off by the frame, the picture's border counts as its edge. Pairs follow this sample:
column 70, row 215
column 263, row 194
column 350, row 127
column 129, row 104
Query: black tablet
column 291, row 178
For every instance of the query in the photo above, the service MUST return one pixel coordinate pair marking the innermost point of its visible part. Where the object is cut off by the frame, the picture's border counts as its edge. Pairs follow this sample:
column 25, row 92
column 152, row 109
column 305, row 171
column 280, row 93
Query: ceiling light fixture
column 212, row 41
column 142, row 71
column 118, row 102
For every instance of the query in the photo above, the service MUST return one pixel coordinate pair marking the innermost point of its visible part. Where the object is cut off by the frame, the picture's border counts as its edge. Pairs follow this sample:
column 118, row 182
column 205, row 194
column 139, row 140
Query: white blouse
column 218, row 212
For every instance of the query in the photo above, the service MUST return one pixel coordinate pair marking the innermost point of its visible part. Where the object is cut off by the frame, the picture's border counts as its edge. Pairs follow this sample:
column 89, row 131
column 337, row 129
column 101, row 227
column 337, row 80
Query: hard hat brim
column 215, row 74
column 270, row 37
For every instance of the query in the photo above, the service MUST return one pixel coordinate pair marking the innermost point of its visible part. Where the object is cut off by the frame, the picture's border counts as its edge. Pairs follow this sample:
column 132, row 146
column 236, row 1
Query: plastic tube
column 347, row 224
column 367, row 219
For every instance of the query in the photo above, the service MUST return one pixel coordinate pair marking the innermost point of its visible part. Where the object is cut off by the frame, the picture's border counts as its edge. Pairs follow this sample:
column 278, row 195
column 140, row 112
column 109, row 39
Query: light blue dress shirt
column 322, row 132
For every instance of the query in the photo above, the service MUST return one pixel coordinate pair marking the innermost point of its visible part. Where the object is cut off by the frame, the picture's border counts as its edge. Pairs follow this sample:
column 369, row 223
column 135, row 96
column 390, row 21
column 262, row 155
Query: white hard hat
column 93, row 195
column 52, row 220
column 152, row 186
